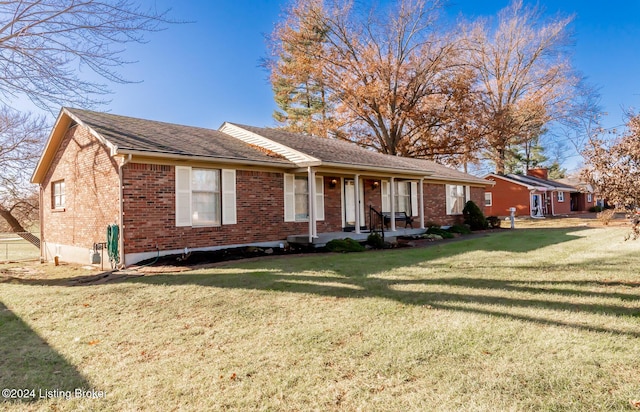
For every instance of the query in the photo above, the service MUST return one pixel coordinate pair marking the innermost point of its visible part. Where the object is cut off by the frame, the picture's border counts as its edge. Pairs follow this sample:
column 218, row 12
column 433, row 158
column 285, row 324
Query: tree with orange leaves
column 382, row 74
column 613, row 167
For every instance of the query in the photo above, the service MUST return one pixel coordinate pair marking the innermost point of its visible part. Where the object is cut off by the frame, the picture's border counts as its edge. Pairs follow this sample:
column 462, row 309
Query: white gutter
column 174, row 156
column 43, row 256
column 121, row 217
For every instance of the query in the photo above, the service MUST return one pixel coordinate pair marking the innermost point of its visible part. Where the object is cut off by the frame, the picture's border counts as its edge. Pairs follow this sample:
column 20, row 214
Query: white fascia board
column 174, row 156
column 58, row 136
column 470, row 182
column 529, row 187
column 299, row 158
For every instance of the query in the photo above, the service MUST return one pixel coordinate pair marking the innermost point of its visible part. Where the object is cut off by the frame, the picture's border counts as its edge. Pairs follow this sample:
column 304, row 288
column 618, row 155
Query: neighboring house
column 534, row 195
column 169, row 187
column 585, row 198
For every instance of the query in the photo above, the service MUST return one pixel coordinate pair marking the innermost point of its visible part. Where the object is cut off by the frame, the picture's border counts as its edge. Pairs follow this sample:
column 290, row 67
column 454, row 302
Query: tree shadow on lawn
column 358, row 276
column 28, row 362
column 489, row 296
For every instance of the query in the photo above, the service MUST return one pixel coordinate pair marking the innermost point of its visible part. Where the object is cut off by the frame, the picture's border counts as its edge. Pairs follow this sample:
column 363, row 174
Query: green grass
column 531, row 319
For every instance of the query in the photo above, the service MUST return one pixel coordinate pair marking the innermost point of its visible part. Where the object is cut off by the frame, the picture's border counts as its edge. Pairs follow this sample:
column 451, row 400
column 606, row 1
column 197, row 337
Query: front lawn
column 530, row 319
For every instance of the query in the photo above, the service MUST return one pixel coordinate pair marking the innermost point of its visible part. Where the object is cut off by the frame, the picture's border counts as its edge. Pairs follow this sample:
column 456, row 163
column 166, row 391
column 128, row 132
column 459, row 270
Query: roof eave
column 219, row 159
column 55, row 138
column 369, row 168
column 482, row 182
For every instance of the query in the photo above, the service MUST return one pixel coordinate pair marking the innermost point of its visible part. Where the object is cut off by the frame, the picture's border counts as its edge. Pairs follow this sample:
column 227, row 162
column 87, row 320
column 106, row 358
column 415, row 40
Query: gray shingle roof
column 154, row 137
column 536, row 181
column 343, row 152
column 334, row 151
column 151, row 136
column 444, row 172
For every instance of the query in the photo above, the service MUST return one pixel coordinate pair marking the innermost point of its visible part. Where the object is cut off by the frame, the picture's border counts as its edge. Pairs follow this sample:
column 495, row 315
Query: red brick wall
column 435, row 205
column 540, row 173
column 477, row 195
column 332, row 206
column 561, row 208
column 506, row 194
column 372, row 197
column 149, row 191
column 92, row 196
column 582, row 204
column 91, row 190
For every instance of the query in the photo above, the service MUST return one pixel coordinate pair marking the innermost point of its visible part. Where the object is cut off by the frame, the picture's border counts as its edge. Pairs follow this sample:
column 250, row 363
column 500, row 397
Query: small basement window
column 58, row 198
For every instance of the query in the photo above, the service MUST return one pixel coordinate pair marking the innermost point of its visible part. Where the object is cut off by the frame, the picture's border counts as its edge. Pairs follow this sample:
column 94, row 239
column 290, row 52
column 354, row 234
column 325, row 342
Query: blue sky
column 207, row 72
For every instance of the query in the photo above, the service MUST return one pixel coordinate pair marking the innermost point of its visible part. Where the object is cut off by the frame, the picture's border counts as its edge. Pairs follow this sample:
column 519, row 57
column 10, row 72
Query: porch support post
column 356, row 188
column 421, row 202
column 392, row 204
column 311, row 183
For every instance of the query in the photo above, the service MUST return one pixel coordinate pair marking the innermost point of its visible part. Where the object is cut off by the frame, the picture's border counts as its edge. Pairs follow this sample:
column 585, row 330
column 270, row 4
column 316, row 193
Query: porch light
column 375, row 185
column 333, row 183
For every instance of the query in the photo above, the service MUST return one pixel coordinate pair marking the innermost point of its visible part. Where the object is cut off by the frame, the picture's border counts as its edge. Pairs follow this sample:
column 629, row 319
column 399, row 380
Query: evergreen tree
column 297, row 71
column 525, row 156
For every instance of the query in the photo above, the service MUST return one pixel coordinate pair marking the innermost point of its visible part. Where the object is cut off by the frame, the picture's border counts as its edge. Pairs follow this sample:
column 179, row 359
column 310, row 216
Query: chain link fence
column 14, row 247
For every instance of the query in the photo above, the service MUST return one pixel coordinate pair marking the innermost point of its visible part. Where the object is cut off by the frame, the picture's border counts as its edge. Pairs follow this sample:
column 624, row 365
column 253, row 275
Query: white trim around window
column 406, row 197
column 456, row 197
column 488, row 199
column 205, row 197
column 296, row 198
column 58, row 197
column 560, row 196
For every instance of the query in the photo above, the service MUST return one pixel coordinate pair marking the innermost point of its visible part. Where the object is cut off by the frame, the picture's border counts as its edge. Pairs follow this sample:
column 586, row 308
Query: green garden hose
column 113, row 237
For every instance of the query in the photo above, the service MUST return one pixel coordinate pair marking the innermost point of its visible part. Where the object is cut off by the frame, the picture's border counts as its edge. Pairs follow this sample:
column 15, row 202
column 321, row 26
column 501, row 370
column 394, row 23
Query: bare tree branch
column 44, row 42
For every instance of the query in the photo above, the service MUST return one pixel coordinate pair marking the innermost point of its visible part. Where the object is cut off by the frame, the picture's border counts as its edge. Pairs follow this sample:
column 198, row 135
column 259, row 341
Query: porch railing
column 376, row 221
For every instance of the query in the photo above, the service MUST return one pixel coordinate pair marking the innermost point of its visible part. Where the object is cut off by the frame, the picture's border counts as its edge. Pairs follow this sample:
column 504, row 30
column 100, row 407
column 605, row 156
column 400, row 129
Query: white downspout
column 531, row 193
column 356, row 198
column 43, row 251
column 121, row 223
column 553, row 210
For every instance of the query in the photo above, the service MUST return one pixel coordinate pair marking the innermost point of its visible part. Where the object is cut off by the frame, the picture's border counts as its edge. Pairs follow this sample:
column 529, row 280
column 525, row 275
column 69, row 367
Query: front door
column 536, row 205
column 349, row 203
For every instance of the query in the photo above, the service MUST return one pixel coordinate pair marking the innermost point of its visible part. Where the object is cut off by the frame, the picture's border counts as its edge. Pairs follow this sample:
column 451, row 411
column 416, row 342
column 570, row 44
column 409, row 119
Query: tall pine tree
column 297, row 71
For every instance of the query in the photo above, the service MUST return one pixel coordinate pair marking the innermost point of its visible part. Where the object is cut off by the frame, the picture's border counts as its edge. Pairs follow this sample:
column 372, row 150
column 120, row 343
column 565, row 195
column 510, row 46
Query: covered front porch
column 321, row 239
column 340, row 203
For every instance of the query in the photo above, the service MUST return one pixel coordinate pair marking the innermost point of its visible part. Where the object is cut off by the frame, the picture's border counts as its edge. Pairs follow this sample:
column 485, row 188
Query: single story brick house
column 169, row 187
column 534, row 195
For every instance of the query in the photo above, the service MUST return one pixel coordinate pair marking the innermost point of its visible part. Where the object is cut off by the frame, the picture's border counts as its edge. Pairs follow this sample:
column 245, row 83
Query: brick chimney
column 539, row 172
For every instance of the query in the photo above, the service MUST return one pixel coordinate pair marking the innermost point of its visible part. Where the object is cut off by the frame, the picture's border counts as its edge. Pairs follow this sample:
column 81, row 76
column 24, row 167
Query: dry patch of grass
column 14, row 248
column 536, row 319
